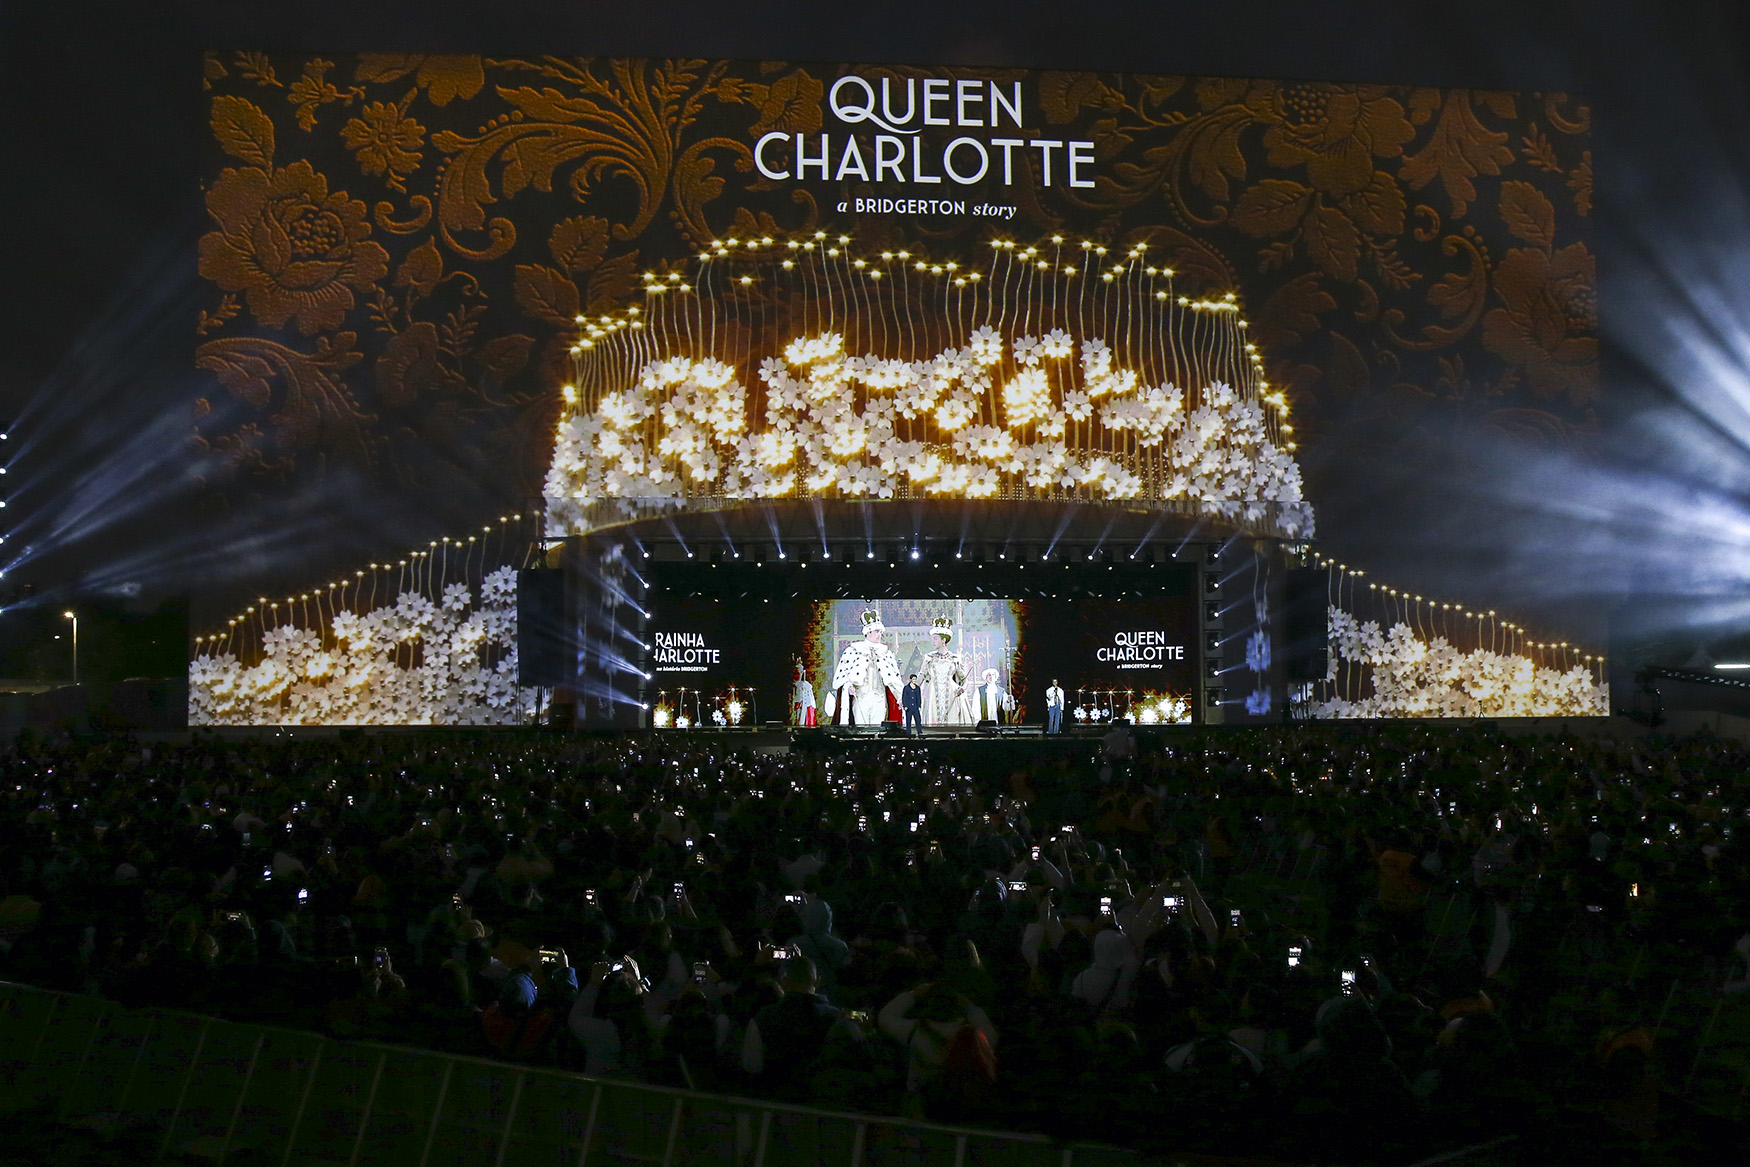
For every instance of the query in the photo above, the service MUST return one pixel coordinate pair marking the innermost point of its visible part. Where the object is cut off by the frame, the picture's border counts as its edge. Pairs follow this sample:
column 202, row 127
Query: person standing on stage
column 991, row 699
column 866, row 681
column 945, row 673
column 802, row 699
column 911, row 700
column 1054, row 708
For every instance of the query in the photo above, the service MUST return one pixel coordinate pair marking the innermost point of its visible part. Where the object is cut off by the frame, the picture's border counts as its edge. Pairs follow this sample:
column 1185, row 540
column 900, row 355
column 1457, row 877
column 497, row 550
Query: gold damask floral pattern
column 298, row 253
column 386, row 141
column 400, row 244
column 1548, row 322
column 1336, row 136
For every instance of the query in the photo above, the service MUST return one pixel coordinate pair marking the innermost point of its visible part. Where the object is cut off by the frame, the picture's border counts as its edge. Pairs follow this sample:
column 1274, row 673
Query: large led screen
column 846, row 661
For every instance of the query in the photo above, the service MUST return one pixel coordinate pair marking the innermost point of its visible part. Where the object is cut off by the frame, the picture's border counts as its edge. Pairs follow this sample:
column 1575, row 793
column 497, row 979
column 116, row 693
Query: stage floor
column 766, row 736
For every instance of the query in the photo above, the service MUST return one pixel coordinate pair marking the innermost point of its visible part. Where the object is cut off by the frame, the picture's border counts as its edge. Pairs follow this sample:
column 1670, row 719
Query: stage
column 691, row 621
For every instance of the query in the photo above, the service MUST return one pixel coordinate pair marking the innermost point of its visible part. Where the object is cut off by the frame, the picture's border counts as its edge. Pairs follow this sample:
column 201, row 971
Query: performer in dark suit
column 911, row 699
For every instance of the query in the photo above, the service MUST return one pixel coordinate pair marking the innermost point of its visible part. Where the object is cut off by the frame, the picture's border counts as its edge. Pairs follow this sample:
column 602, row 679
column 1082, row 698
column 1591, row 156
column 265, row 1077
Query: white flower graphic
column 986, row 345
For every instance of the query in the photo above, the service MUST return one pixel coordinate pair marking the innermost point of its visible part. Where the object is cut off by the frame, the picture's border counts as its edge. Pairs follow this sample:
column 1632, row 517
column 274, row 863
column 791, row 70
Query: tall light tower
column 5, row 435
column 75, row 620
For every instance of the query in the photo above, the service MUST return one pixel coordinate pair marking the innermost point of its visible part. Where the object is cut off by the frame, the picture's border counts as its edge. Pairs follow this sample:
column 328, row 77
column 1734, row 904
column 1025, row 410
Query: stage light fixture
column 914, row 552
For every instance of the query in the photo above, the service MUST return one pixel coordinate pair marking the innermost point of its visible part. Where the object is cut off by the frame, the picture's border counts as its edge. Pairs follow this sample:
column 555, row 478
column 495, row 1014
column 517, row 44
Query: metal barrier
column 1501, row 1152
column 1717, row 1078
column 1281, row 857
column 220, row 1089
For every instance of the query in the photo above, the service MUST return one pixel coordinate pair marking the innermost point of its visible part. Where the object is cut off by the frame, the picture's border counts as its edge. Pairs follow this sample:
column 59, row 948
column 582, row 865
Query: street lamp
column 75, row 620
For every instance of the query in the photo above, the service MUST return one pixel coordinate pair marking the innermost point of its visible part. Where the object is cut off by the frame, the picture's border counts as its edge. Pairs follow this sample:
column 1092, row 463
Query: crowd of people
column 1384, row 941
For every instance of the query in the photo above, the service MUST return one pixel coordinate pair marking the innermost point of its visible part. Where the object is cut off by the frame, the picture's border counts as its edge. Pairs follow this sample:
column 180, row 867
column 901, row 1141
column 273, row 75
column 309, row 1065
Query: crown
column 871, row 619
column 943, row 627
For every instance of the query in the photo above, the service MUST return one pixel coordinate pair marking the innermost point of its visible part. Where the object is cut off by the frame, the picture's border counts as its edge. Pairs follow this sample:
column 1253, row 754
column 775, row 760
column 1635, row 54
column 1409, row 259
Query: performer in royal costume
column 866, row 681
column 945, row 680
column 802, row 699
column 991, row 701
